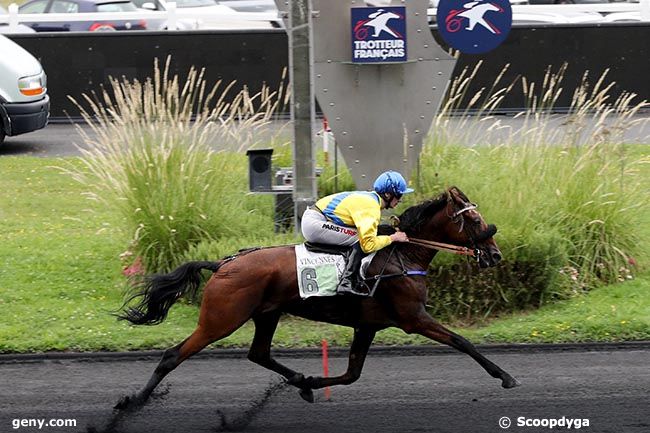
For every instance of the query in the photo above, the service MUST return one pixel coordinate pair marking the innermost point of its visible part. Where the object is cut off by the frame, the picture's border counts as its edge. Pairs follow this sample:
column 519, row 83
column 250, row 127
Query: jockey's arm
column 366, row 221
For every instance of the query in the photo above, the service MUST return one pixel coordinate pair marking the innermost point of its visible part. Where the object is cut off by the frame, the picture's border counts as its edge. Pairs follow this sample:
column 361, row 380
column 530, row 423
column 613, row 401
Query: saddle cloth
column 319, row 273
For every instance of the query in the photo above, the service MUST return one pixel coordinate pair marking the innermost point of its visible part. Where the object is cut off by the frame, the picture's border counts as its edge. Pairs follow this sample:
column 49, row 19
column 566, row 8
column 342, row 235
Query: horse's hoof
column 123, row 403
column 296, row 380
column 307, row 394
column 130, row 402
column 510, row 382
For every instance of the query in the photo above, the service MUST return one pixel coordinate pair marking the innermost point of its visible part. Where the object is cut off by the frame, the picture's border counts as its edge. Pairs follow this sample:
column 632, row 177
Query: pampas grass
column 157, row 153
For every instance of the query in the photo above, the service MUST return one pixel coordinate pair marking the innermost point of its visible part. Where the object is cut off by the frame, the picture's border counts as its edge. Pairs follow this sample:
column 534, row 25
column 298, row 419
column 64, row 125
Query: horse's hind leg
column 213, row 325
column 425, row 325
column 171, row 359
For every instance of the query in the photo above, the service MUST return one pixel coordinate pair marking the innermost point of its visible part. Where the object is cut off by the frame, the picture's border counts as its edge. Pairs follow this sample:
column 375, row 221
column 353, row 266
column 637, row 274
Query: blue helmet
column 391, row 182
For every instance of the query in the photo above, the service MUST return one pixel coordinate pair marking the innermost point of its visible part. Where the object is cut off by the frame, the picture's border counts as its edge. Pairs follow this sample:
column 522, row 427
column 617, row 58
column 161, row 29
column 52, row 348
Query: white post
column 13, row 17
column 171, row 16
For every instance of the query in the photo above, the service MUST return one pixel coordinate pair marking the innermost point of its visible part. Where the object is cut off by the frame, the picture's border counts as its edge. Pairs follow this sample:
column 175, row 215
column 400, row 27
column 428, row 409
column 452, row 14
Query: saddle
column 350, row 283
column 341, row 250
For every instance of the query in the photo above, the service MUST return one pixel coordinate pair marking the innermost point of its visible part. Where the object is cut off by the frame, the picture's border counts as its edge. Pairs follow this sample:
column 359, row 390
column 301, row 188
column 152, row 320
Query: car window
column 64, row 7
column 139, row 3
column 116, row 7
column 194, row 3
column 37, row 7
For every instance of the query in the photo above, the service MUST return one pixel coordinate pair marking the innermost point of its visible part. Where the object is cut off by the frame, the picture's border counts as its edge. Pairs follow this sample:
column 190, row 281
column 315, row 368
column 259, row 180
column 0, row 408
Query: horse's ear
column 457, row 194
column 452, row 193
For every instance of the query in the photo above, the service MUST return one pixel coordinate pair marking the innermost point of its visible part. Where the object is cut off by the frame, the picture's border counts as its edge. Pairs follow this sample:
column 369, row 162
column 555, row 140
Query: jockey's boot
column 350, row 279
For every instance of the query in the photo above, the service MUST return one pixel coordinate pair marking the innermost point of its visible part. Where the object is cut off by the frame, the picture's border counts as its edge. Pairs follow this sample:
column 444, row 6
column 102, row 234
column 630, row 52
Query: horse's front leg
column 426, row 326
column 360, row 345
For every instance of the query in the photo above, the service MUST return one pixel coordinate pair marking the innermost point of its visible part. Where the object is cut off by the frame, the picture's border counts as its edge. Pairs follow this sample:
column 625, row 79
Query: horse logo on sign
column 474, row 27
column 378, row 34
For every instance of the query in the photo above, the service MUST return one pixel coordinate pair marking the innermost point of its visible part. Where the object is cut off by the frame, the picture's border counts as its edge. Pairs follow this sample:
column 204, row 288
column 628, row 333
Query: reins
column 455, row 249
column 382, row 276
column 440, row 246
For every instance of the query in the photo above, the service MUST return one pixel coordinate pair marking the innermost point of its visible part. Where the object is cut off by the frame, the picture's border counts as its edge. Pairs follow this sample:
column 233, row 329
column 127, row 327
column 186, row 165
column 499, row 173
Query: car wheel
column 101, row 27
column 2, row 133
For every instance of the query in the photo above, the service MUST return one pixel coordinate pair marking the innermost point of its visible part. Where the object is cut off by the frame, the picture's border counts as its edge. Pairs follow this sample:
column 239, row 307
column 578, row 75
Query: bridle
column 457, row 218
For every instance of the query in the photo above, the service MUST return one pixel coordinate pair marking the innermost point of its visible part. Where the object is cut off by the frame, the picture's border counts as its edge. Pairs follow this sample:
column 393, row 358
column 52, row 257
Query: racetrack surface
column 438, row 393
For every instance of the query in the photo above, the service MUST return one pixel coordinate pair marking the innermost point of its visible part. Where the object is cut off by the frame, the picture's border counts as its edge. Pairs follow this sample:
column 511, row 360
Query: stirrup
column 360, row 289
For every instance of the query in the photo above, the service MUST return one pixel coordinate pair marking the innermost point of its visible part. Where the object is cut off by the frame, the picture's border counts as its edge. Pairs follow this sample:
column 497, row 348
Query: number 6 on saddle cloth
column 320, row 268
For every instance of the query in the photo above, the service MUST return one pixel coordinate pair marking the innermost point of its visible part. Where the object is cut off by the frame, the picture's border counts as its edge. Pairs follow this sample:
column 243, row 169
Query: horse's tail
column 159, row 292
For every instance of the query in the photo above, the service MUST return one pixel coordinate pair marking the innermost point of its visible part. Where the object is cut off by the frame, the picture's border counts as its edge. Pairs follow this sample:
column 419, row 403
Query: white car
column 24, row 103
column 264, row 6
column 623, row 17
column 206, row 14
column 556, row 18
column 160, row 5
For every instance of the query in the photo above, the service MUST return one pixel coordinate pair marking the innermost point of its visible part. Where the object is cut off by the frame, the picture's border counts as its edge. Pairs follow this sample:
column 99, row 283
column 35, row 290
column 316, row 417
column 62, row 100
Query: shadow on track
column 118, row 416
column 240, row 422
column 227, row 423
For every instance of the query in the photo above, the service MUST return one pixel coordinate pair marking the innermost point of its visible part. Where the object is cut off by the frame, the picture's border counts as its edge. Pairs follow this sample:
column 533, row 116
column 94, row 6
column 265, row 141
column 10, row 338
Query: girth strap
column 381, row 276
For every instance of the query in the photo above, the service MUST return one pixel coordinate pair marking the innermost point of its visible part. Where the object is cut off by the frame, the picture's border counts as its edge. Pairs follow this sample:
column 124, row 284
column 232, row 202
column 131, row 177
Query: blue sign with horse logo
column 474, row 27
column 379, row 34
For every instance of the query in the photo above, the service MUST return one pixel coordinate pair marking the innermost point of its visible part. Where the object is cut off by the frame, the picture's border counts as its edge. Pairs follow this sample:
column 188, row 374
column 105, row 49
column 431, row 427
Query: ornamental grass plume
column 566, row 190
column 165, row 153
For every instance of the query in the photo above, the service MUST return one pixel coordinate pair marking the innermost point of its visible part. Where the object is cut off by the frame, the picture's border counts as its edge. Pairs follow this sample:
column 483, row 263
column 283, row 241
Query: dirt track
column 433, row 393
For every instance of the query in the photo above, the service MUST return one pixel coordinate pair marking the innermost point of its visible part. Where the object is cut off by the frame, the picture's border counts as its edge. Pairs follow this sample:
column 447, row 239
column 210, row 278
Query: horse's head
column 465, row 226
column 453, row 218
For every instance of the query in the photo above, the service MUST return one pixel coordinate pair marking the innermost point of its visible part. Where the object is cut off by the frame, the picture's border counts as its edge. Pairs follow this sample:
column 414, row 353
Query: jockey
column 351, row 219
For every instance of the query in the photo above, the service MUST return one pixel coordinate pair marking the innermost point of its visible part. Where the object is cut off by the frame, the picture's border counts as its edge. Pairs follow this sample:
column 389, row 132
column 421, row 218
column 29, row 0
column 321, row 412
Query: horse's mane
column 413, row 217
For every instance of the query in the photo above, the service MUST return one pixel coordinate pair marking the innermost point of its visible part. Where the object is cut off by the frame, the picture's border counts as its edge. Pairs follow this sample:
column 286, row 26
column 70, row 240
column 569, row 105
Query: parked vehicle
column 161, row 5
column 24, row 103
column 567, row 17
column 566, row 2
column 623, row 17
column 76, row 6
column 206, row 14
column 20, row 28
column 267, row 6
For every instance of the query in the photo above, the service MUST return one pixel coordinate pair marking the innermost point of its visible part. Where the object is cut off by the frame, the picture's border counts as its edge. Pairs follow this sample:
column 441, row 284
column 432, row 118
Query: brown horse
column 262, row 284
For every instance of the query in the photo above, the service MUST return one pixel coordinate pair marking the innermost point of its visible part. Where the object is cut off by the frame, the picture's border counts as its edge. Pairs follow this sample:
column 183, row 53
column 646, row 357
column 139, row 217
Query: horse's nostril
column 496, row 257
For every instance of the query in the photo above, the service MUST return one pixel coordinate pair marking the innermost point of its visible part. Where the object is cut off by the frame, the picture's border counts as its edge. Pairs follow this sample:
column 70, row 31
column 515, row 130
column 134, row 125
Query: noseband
column 461, row 221
column 474, row 238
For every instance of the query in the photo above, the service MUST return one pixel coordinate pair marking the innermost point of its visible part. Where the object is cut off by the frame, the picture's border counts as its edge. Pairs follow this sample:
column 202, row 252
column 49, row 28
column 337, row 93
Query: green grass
column 612, row 313
column 61, row 277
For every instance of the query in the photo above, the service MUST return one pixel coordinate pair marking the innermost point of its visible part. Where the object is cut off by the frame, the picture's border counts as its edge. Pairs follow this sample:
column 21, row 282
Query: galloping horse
column 261, row 284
